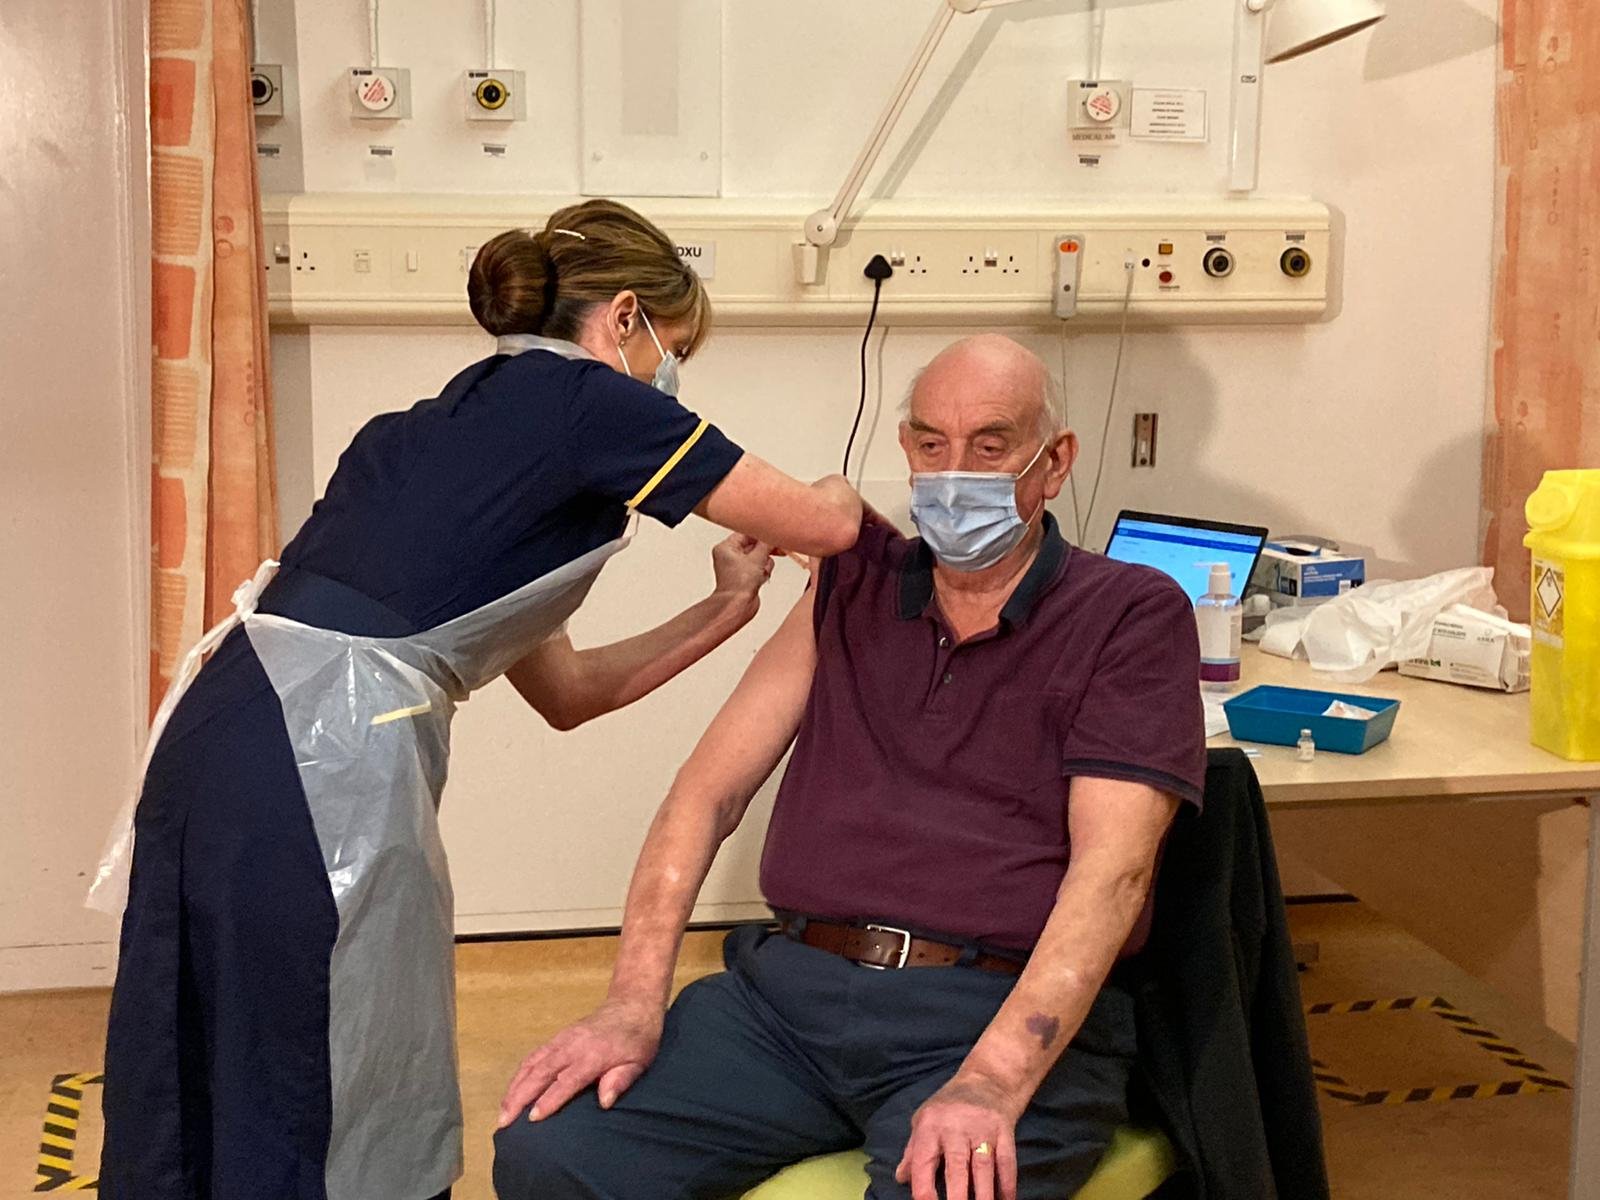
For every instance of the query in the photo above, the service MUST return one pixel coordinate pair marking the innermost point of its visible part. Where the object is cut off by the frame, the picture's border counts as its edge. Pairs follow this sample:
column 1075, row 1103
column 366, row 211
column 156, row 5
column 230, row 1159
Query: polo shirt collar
column 916, row 577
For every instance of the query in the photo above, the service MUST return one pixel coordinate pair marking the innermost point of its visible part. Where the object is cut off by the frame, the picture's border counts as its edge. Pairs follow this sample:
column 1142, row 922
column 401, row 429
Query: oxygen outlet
column 1219, row 263
column 1296, row 263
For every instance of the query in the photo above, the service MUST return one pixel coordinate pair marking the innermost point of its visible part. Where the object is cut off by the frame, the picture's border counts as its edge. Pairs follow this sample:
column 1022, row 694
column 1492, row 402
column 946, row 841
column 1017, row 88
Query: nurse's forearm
column 614, row 676
column 569, row 686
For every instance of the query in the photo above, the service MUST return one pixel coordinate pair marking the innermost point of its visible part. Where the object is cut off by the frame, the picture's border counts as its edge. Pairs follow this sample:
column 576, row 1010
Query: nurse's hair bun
column 510, row 285
column 548, row 282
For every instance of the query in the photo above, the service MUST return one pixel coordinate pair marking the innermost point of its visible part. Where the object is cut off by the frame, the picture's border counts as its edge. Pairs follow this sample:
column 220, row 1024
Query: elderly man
column 992, row 731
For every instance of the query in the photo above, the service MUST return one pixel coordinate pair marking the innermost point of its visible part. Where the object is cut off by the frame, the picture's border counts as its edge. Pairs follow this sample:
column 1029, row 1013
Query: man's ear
column 1063, row 454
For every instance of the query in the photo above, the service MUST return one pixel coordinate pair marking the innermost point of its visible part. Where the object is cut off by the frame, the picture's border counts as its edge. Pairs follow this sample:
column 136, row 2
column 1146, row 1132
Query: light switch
column 413, row 260
column 364, row 262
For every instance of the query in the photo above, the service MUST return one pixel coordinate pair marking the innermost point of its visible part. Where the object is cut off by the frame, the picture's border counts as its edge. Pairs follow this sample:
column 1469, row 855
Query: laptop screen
column 1186, row 548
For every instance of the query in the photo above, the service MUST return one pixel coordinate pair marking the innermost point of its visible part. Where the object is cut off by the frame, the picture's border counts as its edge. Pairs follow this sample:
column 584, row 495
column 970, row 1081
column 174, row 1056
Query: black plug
column 877, row 270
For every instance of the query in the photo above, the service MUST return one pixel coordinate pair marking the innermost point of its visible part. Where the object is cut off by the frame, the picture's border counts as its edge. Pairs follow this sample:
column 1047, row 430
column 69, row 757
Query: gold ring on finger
column 982, row 1148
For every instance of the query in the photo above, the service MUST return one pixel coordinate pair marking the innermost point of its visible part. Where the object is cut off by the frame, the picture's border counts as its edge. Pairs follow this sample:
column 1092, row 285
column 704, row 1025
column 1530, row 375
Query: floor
column 513, row 994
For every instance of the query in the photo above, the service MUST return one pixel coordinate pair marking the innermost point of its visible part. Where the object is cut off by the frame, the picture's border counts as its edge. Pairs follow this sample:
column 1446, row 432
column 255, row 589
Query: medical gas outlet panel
column 373, row 260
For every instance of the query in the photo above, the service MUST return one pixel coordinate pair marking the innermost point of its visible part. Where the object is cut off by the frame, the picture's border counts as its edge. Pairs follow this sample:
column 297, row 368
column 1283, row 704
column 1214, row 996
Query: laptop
column 1187, row 547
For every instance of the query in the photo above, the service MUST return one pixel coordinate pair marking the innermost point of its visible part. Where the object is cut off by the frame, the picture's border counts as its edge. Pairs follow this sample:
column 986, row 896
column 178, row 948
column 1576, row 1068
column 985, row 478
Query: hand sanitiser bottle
column 1221, row 621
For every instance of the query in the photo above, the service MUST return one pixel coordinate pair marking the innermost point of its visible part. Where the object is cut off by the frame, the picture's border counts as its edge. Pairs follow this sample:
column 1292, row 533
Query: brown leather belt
column 884, row 948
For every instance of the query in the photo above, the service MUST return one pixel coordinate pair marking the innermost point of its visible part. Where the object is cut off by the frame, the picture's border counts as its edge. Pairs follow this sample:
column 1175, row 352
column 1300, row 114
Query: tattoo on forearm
column 1046, row 1029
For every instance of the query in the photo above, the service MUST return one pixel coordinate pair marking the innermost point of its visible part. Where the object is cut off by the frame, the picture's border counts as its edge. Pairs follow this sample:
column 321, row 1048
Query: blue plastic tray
column 1276, row 715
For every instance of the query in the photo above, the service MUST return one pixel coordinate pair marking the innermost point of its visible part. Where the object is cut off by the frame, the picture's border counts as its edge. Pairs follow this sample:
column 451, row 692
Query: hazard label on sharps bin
column 1549, row 603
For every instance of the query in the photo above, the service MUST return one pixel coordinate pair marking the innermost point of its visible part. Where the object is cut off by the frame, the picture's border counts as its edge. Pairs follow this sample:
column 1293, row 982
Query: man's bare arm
column 614, row 1045
column 707, row 801
column 1115, row 830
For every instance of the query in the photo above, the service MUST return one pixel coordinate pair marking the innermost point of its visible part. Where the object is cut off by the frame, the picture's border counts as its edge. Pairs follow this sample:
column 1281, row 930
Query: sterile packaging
column 1300, row 573
column 1358, row 634
column 1476, row 648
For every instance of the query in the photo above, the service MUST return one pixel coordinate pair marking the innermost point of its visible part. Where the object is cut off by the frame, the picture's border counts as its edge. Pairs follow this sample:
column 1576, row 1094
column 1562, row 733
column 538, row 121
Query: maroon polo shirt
column 928, row 785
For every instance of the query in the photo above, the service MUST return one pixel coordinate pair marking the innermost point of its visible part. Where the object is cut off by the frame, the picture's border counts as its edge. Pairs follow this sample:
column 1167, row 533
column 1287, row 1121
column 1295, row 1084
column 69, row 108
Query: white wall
column 74, row 349
column 1367, row 427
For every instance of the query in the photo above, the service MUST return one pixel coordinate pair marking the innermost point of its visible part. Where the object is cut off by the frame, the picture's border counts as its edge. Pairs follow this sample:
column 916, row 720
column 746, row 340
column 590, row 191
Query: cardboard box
column 1475, row 648
column 1297, row 573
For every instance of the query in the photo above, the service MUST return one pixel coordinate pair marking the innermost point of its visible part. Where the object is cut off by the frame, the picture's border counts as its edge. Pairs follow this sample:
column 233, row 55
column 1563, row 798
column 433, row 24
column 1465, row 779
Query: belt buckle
column 905, row 948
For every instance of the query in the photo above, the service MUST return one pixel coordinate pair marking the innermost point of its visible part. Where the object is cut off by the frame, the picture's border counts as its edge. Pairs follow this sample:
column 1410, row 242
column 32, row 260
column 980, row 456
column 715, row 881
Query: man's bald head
column 987, row 406
column 997, row 372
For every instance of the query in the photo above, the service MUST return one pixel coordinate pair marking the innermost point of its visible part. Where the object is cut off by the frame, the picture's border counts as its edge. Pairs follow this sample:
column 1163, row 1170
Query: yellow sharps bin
column 1564, row 518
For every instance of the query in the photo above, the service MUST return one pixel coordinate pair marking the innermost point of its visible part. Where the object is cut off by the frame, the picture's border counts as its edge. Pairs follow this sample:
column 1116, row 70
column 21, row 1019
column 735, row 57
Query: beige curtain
column 1546, row 372
column 213, row 503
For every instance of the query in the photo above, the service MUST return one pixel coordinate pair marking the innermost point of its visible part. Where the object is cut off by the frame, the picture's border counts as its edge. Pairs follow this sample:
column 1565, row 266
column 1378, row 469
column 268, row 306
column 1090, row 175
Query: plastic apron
column 369, row 722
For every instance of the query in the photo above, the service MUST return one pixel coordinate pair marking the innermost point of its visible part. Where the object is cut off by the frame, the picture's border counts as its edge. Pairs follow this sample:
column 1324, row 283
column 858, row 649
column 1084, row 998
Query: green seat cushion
column 1137, row 1162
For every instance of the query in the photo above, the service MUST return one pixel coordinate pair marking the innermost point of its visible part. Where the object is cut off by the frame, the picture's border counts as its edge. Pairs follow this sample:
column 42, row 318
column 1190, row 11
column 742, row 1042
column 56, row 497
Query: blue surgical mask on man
column 666, row 376
column 969, row 518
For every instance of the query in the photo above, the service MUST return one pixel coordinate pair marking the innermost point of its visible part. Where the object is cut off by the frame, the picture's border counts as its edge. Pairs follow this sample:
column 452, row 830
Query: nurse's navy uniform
column 282, row 1026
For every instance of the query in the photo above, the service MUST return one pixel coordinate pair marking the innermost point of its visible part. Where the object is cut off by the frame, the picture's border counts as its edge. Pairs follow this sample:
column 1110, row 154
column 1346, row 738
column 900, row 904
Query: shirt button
column 948, row 677
column 943, row 642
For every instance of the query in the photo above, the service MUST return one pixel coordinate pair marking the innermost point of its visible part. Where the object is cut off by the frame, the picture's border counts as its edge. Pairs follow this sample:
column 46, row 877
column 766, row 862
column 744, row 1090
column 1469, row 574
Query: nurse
column 282, row 1026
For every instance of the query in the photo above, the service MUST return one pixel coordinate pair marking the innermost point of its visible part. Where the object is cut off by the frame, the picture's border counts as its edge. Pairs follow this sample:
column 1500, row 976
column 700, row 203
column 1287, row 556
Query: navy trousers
column 794, row 1052
column 217, row 1071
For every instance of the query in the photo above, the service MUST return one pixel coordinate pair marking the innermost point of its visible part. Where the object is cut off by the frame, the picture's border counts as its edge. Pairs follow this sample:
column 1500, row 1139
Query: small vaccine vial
column 1306, row 748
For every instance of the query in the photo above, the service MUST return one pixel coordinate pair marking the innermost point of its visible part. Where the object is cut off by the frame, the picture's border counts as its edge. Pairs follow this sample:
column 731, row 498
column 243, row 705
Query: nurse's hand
column 610, row 1047
column 742, row 565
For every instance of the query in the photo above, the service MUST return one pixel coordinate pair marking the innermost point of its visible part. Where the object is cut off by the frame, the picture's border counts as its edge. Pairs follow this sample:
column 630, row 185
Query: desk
column 1452, row 744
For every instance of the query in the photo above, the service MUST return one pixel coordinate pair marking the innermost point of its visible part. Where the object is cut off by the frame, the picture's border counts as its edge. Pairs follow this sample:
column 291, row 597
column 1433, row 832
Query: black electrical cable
column 877, row 270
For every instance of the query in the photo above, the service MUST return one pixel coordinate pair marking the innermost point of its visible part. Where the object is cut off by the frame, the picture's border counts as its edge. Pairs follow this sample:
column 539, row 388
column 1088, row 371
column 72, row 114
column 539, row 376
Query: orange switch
column 1069, row 247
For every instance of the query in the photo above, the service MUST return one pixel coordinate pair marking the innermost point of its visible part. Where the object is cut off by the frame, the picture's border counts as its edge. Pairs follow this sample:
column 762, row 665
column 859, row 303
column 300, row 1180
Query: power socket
column 495, row 95
column 266, row 90
column 380, row 93
column 911, row 264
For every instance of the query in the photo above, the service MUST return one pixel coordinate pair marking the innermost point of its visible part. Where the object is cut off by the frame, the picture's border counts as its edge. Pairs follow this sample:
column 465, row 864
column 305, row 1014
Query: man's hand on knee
column 968, row 1127
column 611, row 1047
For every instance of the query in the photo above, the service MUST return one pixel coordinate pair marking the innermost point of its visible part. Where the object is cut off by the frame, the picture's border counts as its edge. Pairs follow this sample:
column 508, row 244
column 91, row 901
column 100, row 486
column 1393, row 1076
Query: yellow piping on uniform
column 666, row 467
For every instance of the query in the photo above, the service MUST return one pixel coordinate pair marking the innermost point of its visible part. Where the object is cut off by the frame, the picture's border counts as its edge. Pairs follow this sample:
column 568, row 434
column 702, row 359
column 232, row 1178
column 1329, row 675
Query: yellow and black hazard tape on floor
column 1335, row 1085
column 1496, row 1045
column 59, row 1141
column 1344, row 1007
column 1535, row 1078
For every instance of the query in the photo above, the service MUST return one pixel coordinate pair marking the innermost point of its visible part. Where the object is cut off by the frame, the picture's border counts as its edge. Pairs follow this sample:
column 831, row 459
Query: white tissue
column 1216, row 715
column 1349, row 712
